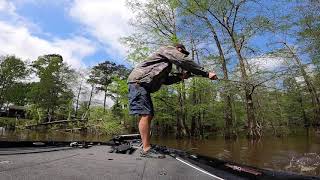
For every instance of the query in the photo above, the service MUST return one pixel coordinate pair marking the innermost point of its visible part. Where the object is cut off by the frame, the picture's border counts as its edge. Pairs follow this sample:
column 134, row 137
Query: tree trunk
column 282, row 118
column 200, row 116
column 254, row 130
column 39, row 116
column 193, row 131
column 1, row 97
column 48, row 118
column 193, row 126
column 201, row 131
column 182, row 128
column 194, row 121
column 306, row 121
column 89, row 103
column 229, row 132
column 179, row 126
column 312, row 90
column 104, row 101
column 78, row 97
column 184, row 113
column 52, row 114
column 228, row 118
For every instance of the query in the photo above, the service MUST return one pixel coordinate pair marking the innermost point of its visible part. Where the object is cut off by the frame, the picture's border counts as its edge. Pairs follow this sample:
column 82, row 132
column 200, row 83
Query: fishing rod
column 189, row 74
column 251, row 85
column 254, row 84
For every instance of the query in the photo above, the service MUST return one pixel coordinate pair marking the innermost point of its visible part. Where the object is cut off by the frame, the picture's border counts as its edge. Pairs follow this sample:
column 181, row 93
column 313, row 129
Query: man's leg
column 144, row 129
column 140, row 103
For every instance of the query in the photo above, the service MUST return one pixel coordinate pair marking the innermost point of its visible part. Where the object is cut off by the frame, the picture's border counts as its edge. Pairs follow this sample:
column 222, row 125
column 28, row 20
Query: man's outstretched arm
column 171, row 80
column 179, row 59
column 176, row 78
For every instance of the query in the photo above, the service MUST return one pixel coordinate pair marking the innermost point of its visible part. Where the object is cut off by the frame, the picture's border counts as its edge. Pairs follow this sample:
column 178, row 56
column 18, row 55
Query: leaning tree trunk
column 78, row 97
column 87, row 114
column 90, row 98
column 312, row 90
column 228, row 118
column 254, row 130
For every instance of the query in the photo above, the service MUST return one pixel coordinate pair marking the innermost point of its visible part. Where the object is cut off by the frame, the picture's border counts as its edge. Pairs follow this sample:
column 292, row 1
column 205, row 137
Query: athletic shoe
column 151, row 153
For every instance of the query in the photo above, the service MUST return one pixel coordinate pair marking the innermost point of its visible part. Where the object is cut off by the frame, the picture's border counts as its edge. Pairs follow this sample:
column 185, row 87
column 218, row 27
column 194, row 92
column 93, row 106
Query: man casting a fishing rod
column 148, row 77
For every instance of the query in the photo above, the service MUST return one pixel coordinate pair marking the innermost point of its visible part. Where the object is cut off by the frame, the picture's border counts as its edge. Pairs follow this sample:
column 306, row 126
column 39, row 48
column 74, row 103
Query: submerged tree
column 201, row 15
column 232, row 19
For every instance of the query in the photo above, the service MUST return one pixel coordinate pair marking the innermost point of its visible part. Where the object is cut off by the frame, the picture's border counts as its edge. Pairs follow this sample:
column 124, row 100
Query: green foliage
column 17, row 93
column 104, row 121
column 309, row 33
column 52, row 92
column 119, row 91
column 12, row 69
column 13, row 123
column 103, row 73
column 7, row 122
column 138, row 49
column 36, row 113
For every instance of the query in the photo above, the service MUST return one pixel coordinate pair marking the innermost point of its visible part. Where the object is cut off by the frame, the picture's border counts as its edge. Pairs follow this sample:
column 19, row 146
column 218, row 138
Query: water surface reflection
column 295, row 153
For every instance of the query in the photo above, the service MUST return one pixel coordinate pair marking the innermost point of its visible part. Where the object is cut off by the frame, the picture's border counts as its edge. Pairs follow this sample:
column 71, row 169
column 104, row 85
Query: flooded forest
column 266, row 56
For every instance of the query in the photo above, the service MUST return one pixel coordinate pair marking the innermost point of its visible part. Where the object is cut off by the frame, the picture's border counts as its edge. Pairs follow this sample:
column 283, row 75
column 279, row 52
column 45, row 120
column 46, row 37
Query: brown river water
column 298, row 153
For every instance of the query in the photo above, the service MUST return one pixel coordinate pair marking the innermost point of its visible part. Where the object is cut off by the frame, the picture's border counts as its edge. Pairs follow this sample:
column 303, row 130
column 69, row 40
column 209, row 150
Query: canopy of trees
column 267, row 59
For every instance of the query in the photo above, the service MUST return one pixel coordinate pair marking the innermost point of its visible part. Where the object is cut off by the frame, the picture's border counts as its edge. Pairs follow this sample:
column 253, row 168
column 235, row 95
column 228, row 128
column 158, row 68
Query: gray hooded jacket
column 155, row 71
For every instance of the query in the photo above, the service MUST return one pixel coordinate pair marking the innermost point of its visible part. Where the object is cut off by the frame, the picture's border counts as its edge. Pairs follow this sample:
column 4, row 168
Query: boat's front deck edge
column 93, row 163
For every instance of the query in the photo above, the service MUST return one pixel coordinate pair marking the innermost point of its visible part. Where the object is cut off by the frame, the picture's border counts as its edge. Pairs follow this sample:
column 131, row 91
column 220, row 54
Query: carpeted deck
column 93, row 163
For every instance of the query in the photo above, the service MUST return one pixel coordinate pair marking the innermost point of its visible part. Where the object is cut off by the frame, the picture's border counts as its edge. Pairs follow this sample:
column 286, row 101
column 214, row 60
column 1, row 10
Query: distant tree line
column 51, row 90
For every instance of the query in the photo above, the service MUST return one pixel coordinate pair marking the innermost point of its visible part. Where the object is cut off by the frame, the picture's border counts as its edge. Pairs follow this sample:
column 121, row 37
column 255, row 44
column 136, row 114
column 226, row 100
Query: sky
column 84, row 32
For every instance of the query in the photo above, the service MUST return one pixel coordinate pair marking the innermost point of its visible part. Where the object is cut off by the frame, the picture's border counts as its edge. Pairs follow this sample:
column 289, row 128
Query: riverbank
column 92, row 126
column 113, row 127
column 14, row 123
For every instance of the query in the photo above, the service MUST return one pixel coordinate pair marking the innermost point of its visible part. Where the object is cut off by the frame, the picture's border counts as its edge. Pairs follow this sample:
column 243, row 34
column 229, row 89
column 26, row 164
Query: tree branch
column 214, row 16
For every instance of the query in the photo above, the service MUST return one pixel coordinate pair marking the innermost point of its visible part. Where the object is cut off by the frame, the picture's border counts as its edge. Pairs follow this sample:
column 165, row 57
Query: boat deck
column 93, row 163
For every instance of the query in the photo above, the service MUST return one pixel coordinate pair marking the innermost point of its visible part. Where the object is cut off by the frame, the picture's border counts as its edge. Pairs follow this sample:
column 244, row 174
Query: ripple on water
column 224, row 155
column 307, row 163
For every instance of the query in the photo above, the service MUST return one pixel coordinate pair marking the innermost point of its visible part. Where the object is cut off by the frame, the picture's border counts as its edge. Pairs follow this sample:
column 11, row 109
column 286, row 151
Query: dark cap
column 184, row 51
